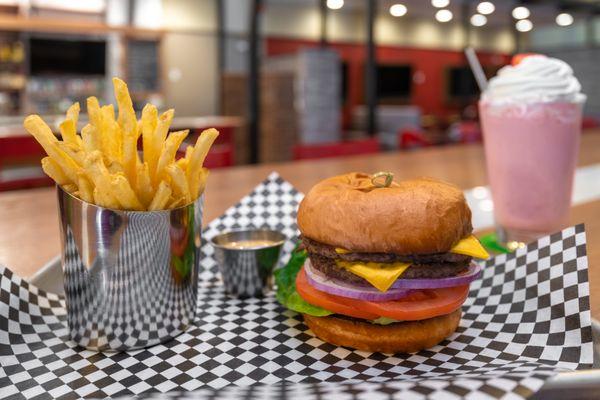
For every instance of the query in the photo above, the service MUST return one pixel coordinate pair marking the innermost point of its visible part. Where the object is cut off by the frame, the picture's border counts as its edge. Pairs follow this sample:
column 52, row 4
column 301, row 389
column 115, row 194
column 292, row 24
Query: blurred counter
column 20, row 154
column 13, row 126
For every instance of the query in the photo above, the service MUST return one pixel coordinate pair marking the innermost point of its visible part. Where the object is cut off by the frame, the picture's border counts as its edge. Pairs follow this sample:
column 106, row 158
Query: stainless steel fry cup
column 248, row 272
column 131, row 277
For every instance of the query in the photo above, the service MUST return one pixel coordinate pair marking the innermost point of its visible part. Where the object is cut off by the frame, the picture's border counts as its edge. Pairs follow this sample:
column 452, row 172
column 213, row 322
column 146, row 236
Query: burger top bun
column 417, row 216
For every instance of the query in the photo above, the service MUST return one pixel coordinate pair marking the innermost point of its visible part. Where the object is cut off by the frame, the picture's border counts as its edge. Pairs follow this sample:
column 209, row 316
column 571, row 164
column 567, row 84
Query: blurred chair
column 390, row 120
column 470, row 132
column 336, row 149
column 412, row 139
column 589, row 123
column 20, row 168
column 225, row 134
column 219, row 156
column 223, row 150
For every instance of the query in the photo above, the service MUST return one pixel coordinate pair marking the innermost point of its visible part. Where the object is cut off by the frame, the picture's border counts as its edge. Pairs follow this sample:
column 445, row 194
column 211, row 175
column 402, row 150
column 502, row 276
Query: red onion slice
column 339, row 288
column 435, row 283
column 399, row 289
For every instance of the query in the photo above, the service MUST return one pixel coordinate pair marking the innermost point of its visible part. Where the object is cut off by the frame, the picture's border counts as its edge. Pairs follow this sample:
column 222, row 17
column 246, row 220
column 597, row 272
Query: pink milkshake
column 531, row 120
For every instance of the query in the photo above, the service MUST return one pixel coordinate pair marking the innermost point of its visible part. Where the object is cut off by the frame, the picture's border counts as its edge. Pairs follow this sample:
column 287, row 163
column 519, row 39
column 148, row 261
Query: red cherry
column 517, row 58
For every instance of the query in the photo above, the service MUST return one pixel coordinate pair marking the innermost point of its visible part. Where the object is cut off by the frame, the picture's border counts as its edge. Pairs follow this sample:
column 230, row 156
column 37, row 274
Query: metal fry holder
column 130, row 277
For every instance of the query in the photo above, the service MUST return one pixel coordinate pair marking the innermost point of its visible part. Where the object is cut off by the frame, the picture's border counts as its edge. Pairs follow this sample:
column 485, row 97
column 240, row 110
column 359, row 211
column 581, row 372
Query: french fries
column 149, row 121
column 86, row 190
column 102, row 165
column 110, row 140
column 158, row 138
column 161, row 198
column 43, row 134
column 179, row 183
column 53, row 170
column 71, row 188
column 90, row 138
column 168, row 151
column 194, row 168
column 144, row 187
column 68, row 131
column 73, row 151
column 73, row 114
column 127, row 197
column 93, row 109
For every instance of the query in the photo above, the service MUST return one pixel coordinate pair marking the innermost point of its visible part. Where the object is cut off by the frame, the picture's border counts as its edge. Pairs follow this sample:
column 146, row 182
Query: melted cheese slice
column 380, row 275
column 383, row 275
column 470, row 247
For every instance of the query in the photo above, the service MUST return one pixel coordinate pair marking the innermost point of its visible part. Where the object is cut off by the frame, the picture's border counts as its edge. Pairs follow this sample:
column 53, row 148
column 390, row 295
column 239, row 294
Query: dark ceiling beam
column 220, row 8
column 323, row 11
column 254, row 81
column 590, row 31
column 130, row 12
column 466, row 24
column 371, row 70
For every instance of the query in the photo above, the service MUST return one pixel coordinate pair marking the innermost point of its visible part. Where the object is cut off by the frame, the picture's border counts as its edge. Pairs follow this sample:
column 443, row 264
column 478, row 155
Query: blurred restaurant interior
column 440, row 137
column 282, row 79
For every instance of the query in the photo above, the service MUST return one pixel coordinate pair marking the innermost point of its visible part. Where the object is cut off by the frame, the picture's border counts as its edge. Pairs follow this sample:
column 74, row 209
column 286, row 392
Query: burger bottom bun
column 401, row 337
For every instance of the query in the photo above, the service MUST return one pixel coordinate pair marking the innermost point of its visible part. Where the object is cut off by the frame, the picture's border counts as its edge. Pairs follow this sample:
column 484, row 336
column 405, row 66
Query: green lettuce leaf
column 285, row 278
column 384, row 321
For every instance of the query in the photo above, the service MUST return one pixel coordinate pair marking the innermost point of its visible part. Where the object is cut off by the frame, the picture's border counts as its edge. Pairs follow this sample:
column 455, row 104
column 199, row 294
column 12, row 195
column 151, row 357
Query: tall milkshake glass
column 531, row 119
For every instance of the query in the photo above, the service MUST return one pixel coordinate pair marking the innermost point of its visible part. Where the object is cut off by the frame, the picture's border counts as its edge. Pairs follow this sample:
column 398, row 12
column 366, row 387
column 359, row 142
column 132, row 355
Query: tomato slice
column 427, row 303
column 421, row 304
column 336, row 304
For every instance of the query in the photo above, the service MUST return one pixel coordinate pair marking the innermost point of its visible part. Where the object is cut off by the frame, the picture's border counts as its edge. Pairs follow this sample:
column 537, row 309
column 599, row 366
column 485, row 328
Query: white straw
column 476, row 68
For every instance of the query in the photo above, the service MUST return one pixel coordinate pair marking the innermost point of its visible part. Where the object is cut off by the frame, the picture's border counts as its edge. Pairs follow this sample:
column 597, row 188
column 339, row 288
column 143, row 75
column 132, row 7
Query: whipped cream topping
column 535, row 79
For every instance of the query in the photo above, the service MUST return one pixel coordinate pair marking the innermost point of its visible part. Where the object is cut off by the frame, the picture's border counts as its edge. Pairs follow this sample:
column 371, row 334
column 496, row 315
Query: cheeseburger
column 389, row 263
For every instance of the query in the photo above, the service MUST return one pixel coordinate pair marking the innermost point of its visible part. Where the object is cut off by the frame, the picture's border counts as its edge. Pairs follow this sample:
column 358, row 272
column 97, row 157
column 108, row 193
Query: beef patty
column 416, row 271
column 314, row 247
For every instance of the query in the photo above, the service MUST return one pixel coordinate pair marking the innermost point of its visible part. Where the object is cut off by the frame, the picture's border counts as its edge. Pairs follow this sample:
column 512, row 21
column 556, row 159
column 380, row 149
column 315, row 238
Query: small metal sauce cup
column 248, row 272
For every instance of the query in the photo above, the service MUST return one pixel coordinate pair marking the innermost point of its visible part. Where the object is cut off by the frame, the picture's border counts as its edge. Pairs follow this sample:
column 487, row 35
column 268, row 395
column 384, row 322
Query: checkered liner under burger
column 526, row 319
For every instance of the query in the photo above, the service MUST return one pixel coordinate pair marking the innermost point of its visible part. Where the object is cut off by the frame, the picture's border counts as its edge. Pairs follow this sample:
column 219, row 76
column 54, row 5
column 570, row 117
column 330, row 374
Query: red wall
column 430, row 96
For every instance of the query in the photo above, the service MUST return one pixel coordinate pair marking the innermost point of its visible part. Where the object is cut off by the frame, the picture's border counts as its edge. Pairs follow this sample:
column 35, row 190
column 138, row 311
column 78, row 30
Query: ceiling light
column 443, row 15
column 335, row 4
column 520, row 12
column 564, row 19
column 398, row 10
column 478, row 20
column 485, row 7
column 524, row 25
column 440, row 3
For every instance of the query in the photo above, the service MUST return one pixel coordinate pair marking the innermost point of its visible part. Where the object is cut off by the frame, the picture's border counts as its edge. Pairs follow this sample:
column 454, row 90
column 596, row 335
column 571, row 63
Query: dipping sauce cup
column 246, row 259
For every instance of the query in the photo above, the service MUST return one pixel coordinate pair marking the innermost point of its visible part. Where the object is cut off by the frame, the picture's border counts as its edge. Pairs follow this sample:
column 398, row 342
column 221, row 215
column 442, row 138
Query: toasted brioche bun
column 417, row 216
column 401, row 337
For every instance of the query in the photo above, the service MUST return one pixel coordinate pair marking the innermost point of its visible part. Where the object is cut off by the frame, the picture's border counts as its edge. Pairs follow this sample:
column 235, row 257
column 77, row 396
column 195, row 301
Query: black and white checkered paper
column 525, row 320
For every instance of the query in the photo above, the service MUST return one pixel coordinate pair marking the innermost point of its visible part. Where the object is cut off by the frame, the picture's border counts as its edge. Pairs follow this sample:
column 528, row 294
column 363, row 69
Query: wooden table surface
column 29, row 236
